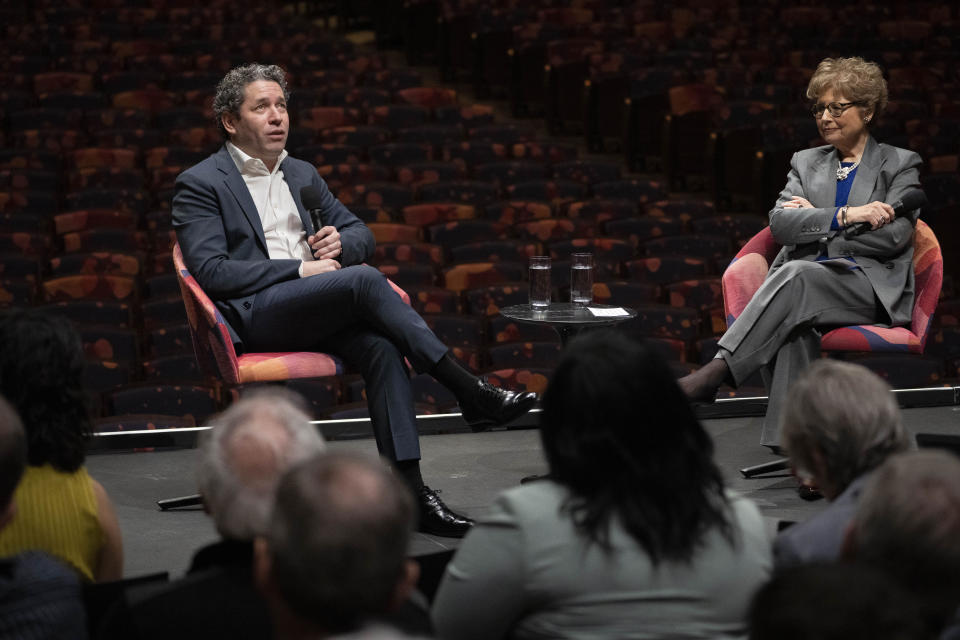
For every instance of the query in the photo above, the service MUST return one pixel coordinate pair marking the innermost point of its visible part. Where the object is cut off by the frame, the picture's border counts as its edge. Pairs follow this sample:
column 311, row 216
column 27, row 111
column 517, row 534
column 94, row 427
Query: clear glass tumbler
column 581, row 278
column 540, row 282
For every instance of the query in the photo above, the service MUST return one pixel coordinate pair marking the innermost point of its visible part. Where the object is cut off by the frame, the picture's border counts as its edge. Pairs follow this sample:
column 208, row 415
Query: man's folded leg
column 355, row 314
column 300, row 313
column 303, row 312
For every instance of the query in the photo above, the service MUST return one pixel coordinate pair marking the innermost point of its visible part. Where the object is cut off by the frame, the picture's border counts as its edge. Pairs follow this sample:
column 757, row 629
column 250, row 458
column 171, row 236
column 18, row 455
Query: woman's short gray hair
column 855, row 79
column 847, row 413
column 244, row 455
column 230, row 90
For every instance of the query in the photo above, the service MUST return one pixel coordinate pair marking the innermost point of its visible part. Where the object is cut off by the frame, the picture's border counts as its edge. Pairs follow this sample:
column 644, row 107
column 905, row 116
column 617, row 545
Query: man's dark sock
column 453, row 376
column 410, row 472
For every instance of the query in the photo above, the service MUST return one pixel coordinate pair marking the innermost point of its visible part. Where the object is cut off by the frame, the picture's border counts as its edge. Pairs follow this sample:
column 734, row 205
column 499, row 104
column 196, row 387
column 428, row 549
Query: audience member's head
column 834, row 602
column 840, row 421
column 335, row 554
column 619, row 433
column 41, row 372
column 13, row 459
column 244, row 455
column 908, row 524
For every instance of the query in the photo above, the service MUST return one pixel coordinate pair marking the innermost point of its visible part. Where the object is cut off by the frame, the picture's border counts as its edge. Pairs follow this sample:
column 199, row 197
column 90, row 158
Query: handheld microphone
column 313, row 203
column 911, row 200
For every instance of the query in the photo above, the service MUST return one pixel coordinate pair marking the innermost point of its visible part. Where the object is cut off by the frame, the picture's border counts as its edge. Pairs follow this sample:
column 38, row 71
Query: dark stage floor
column 470, row 469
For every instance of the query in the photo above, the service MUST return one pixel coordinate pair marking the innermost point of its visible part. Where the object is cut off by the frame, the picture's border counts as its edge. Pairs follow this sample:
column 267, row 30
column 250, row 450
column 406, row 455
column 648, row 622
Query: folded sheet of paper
column 612, row 312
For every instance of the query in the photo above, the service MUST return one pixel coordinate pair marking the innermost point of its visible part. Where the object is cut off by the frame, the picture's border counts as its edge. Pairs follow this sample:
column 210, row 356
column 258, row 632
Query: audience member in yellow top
column 60, row 508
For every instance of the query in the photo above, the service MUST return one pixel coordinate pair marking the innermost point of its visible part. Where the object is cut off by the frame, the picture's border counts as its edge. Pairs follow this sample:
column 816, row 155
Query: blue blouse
column 843, row 194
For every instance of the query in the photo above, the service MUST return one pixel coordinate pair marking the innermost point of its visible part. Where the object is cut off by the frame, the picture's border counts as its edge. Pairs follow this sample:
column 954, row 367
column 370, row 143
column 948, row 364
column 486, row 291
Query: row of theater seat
column 390, row 145
column 682, row 91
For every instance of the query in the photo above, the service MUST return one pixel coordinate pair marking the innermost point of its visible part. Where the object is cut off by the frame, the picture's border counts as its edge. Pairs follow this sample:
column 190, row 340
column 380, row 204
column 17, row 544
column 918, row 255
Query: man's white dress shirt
column 282, row 226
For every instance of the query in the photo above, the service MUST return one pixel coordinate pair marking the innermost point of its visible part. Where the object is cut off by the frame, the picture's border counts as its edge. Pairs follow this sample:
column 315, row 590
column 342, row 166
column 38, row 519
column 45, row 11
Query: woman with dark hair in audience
column 60, row 508
column 633, row 534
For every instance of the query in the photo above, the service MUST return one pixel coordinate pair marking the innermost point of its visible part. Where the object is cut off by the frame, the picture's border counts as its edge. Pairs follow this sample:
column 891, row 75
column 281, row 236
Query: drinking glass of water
column 581, row 278
column 540, row 282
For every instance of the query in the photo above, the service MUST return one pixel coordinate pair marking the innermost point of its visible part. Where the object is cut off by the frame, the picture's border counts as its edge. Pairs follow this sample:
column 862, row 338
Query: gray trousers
column 779, row 330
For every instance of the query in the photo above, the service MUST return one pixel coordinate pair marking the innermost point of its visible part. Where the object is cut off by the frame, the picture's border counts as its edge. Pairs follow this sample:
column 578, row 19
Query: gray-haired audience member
column 908, row 525
column 39, row 597
column 840, row 422
column 242, row 458
column 334, row 558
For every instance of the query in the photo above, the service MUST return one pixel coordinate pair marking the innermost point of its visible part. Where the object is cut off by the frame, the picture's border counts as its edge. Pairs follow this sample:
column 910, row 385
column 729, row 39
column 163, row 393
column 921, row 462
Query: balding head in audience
column 246, row 453
column 334, row 557
column 908, row 524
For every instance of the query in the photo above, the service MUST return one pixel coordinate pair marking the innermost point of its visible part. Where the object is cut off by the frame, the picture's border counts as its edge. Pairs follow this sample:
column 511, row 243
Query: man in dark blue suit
column 284, row 285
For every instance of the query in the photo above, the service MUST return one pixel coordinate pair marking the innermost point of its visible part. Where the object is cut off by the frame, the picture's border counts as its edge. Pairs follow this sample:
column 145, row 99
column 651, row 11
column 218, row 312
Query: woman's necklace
column 844, row 172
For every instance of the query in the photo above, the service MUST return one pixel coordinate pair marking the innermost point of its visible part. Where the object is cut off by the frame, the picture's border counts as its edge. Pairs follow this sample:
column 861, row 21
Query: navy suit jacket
column 222, row 240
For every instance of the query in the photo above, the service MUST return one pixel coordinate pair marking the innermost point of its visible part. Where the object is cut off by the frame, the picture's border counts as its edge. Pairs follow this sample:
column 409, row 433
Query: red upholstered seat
column 749, row 267
column 214, row 348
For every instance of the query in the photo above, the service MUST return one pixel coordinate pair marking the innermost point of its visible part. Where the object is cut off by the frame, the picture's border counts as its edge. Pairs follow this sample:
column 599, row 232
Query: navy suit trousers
column 353, row 313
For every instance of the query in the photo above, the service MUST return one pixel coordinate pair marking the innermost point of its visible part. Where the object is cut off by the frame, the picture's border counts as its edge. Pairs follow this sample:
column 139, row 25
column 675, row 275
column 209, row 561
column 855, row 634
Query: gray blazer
column 885, row 174
column 525, row 572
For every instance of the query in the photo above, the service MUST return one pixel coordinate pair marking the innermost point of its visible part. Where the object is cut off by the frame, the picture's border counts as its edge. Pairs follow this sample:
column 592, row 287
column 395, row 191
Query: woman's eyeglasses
column 836, row 109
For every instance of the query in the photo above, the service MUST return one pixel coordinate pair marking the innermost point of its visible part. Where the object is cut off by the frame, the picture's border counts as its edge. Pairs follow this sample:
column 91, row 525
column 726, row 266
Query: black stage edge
column 353, row 428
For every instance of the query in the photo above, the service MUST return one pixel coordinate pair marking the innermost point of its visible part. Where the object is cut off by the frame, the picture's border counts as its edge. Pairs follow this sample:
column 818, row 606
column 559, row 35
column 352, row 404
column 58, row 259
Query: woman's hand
column 876, row 213
column 796, row 202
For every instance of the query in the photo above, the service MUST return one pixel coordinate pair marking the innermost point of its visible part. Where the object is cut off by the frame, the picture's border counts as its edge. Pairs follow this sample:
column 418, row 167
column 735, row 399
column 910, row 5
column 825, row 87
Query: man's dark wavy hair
column 231, row 90
column 619, row 433
column 41, row 369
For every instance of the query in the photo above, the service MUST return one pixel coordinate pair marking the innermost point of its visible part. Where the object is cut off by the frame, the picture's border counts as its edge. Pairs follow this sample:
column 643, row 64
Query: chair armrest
column 746, row 272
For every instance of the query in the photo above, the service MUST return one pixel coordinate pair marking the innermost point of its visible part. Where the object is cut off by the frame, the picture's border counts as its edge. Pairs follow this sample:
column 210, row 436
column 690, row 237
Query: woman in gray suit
column 633, row 535
column 847, row 255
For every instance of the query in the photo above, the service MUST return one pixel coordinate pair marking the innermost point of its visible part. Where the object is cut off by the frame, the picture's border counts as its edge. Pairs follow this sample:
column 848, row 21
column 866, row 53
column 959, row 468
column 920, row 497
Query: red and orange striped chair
column 214, row 348
column 748, row 269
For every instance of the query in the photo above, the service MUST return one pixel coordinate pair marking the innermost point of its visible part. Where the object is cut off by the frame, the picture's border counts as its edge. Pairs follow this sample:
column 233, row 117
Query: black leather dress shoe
column 437, row 518
column 490, row 406
column 808, row 493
